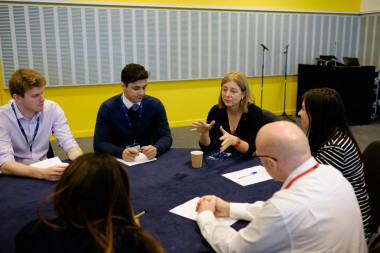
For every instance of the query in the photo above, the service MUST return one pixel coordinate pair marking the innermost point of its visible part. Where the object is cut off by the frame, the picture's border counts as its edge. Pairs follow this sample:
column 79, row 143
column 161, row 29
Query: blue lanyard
column 129, row 121
column 23, row 132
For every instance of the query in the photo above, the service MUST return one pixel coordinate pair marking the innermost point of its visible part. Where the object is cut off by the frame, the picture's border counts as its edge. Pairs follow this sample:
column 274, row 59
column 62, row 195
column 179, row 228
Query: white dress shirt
column 13, row 146
column 318, row 213
column 128, row 103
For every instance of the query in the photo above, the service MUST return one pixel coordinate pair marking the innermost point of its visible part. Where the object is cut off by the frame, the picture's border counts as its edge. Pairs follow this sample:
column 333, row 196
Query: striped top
column 341, row 153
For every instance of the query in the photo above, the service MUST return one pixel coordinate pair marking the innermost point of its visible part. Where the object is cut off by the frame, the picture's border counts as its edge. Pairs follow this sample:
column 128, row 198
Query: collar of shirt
column 128, row 103
column 303, row 167
column 20, row 115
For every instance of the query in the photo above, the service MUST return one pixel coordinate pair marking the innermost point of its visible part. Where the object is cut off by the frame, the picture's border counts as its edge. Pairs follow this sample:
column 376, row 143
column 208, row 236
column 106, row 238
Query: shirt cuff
column 204, row 217
column 237, row 210
column 245, row 211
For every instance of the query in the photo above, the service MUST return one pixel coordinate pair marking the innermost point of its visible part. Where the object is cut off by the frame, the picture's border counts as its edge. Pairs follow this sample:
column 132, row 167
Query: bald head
column 284, row 141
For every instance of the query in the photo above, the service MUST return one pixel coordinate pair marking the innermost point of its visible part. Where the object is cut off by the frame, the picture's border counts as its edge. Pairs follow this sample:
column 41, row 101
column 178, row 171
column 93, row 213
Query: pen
column 132, row 153
column 252, row 173
column 141, row 213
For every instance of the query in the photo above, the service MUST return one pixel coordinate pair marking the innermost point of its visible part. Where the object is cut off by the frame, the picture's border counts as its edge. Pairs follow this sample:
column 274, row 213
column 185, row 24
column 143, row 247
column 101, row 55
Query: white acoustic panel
column 369, row 41
column 75, row 45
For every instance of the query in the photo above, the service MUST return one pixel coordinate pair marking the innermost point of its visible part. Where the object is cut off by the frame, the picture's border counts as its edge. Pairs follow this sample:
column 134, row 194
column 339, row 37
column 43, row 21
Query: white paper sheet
column 244, row 177
column 141, row 158
column 187, row 210
column 48, row 163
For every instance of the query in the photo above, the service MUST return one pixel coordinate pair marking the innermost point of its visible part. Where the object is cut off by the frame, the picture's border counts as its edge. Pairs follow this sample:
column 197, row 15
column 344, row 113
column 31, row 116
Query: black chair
column 50, row 153
column 270, row 116
column 371, row 161
column 375, row 245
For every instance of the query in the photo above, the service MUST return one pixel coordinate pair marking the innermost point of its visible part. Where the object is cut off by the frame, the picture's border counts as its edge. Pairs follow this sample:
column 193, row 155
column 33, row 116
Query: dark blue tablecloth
column 157, row 186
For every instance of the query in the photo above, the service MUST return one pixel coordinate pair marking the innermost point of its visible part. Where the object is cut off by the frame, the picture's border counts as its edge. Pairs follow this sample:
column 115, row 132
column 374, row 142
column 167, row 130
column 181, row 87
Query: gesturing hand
column 201, row 126
column 227, row 139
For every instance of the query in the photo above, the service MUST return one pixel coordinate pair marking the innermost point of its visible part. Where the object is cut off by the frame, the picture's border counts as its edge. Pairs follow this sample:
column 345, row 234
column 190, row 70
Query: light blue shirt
column 13, row 146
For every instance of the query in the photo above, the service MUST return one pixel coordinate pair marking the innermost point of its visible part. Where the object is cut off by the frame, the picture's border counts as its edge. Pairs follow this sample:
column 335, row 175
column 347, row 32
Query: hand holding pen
column 129, row 154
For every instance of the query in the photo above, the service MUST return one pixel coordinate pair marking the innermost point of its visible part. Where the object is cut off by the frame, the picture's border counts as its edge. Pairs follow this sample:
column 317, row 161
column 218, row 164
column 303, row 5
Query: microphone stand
column 286, row 67
column 262, row 75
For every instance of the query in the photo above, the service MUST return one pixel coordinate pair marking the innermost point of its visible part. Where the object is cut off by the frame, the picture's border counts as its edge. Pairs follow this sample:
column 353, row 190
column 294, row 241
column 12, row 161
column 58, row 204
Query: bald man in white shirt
column 315, row 210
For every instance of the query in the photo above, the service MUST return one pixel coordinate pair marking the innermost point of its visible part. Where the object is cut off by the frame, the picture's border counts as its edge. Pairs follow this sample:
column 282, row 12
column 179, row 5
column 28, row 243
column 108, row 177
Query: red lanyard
column 301, row 175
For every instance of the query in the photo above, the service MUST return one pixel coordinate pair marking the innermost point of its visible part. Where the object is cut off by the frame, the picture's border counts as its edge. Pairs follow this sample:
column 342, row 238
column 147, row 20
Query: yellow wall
column 327, row 5
column 185, row 101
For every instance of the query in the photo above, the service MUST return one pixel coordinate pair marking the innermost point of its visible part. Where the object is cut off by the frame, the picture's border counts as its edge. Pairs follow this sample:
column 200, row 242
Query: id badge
column 136, row 147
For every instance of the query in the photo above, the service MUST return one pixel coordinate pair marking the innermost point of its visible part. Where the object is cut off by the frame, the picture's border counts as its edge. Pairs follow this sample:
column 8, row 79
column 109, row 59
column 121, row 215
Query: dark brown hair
column 133, row 72
column 325, row 109
column 92, row 191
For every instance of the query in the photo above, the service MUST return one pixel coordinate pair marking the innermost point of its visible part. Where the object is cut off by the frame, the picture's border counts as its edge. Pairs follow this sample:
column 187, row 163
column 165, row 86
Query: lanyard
column 23, row 132
column 301, row 175
column 129, row 121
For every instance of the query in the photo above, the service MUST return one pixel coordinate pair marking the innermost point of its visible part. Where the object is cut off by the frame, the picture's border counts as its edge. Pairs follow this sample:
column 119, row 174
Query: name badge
column 136, row 147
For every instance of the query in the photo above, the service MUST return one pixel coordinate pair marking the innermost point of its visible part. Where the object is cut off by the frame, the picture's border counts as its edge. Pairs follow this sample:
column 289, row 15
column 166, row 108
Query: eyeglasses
column 267, row 156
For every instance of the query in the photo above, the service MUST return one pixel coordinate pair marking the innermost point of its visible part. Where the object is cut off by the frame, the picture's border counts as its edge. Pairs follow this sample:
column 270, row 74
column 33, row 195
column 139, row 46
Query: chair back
column 50, row 153
column 269, row 116
column 371, row 161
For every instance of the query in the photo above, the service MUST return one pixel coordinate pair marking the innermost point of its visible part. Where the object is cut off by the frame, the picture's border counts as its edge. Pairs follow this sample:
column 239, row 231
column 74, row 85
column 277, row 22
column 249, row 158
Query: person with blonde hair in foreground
column 314, row 211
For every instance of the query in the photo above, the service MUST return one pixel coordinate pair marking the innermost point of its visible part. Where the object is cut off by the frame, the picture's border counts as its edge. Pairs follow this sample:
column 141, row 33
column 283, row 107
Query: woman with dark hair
column 332, row 142
column 93, row 213
column 233, row 123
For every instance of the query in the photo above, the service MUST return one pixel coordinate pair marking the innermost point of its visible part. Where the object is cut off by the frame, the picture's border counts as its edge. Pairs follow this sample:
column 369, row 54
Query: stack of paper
column 141, row 158
column 48, row 163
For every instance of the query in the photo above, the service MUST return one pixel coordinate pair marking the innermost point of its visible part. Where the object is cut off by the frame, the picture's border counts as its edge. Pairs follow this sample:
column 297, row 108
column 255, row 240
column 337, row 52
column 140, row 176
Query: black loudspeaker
column 354, row 84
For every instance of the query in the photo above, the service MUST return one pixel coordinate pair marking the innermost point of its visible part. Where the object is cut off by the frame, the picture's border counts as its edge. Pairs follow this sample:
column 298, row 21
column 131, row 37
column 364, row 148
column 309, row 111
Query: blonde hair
column 241, row 80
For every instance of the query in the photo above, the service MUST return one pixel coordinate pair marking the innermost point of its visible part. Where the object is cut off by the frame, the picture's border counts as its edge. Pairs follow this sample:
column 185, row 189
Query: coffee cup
column 196, row 158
